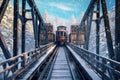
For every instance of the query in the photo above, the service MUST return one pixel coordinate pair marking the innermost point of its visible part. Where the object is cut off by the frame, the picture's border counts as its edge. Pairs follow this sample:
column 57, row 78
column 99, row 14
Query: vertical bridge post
column 107, row 30
column 117, row 33
column 98, row 27
column 15, row 28
column 23, row 25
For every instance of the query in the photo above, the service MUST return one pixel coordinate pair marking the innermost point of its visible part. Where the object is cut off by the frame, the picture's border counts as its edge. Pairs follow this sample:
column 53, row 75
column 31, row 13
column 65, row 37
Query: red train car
column 61, row 35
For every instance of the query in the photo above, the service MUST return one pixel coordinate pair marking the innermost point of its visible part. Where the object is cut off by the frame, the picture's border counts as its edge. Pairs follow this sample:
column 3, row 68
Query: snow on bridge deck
column 85, row 66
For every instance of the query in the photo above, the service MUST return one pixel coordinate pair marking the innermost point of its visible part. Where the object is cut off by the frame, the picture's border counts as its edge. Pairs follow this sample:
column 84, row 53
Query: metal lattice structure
column 38, row 25
column 15, row 66
column 94, row 8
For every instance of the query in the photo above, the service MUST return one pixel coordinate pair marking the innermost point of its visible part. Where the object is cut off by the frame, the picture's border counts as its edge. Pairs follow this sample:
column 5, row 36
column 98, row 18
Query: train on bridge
column 61, row 35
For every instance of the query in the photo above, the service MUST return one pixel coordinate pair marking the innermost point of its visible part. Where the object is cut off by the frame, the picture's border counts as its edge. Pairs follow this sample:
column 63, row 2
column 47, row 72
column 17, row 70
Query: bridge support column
column 89, row 22
column 34, row 20
column 39, row 33
column 117, row 32
column 15, row 28
column 98, row 28
column 107, row 30
column 23, row 25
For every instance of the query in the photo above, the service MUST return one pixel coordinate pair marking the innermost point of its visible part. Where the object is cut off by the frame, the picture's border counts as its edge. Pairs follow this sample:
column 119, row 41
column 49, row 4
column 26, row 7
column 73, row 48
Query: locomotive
column 61, row 35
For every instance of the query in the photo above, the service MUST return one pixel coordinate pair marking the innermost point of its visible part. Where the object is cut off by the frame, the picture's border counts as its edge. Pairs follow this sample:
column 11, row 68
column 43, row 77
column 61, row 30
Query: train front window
column 61, row 34
column 64, row 34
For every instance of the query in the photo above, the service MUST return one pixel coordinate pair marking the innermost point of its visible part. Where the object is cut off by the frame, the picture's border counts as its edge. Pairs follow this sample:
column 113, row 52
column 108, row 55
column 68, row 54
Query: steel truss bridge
column 48, row 62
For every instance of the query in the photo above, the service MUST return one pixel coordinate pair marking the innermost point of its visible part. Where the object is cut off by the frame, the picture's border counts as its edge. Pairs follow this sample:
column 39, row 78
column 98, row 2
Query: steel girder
column 23, row 25
column 3, row 45
column 117, row 31
column 107, row 30
column 37, row 23
column 15, row 27
column 86, row 15
column 90, row 9
column 3, row 7
column 98, row 27
column 41, row 22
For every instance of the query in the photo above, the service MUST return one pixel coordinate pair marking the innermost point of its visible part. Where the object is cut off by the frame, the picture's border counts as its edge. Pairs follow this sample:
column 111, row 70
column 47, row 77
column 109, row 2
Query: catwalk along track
column 61, row 66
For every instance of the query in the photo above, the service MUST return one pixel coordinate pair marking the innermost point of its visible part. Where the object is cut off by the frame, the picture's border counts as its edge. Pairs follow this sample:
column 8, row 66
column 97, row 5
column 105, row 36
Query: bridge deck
column 61, row 69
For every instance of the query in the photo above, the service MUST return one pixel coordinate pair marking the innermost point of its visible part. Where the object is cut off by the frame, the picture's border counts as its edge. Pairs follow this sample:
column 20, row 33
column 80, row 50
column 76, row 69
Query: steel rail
column 50, row 72
column 51, row 61
column 68, row 60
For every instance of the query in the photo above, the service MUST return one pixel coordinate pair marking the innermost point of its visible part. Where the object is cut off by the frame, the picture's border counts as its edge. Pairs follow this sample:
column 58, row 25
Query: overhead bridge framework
column 106, row 68
column 37, row 23
column 86, row 24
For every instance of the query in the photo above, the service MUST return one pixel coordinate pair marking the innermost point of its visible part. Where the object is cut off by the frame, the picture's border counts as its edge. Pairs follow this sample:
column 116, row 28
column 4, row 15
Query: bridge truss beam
column 117, row 31
column 36, row 18
column 86, row 22
column 15, row 28
column 3, row 45
column 3, row 8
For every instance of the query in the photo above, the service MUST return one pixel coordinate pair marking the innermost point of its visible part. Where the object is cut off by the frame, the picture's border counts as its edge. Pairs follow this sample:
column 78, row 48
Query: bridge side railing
column 106, row 68
column 12, row 67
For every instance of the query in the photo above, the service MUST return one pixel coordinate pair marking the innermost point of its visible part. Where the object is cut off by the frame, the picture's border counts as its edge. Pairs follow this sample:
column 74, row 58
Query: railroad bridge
column 69, row 62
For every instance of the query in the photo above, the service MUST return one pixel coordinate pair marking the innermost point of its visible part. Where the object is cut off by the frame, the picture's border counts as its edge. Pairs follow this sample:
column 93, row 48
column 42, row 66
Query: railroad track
column 61, row 66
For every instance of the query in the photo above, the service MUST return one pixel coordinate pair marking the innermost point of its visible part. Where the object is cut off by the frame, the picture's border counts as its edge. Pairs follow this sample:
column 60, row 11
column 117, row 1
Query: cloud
column 61, row 6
